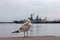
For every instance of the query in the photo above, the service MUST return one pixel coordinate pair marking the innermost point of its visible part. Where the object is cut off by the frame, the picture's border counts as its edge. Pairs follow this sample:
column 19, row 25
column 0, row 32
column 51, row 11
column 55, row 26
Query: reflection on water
column 35, row 30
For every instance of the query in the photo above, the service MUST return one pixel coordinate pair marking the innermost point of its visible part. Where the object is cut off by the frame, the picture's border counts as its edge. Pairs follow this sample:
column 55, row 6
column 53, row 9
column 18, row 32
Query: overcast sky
column 20, row 9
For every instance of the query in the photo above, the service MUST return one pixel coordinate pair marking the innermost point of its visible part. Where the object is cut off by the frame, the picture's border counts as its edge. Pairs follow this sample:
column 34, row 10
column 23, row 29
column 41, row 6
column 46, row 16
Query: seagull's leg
column 24, row 34
column 27, row 33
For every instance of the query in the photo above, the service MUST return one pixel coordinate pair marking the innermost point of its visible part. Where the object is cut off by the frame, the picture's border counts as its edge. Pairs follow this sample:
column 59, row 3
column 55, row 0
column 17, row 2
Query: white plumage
column 25, row 27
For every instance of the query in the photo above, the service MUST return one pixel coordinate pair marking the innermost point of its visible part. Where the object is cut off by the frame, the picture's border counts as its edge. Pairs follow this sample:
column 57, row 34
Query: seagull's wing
column 25, row 27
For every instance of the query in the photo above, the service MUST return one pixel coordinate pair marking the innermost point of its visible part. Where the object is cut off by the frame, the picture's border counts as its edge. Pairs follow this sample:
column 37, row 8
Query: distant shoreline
column 32, row 23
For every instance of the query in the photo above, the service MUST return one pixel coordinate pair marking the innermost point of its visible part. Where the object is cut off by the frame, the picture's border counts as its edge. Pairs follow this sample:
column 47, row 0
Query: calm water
column 35, row 30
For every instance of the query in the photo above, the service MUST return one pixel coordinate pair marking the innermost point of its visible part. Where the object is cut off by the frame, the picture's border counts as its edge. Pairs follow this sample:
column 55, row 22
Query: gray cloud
column 19, row 9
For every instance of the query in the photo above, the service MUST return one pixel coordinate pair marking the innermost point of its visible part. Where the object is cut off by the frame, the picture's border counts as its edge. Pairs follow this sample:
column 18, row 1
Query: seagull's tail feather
column 16, row 31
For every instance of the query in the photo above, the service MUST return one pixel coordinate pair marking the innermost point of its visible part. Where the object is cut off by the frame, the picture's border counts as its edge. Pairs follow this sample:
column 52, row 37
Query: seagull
column 24, row 28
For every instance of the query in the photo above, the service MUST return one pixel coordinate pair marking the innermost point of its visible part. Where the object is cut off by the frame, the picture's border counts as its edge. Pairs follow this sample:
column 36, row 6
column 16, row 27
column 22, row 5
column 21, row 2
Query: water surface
column 35, row 30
